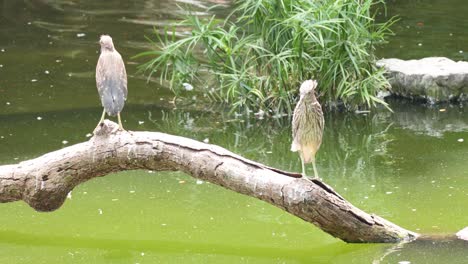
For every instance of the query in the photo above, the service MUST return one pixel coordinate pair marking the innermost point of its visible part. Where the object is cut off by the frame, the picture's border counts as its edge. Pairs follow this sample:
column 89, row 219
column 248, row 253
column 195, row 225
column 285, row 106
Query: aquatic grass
column 258, row 56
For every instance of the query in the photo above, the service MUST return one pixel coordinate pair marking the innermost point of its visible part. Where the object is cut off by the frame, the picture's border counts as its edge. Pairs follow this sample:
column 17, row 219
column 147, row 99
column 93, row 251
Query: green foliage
column 258, row 57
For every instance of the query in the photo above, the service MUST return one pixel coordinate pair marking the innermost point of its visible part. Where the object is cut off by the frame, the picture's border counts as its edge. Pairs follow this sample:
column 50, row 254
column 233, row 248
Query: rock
column 463, row 234
column 435, row 79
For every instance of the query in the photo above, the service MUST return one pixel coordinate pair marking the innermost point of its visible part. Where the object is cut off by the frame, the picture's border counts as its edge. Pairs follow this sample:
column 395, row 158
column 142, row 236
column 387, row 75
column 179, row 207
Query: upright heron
column 307, row 126
column 111, row 80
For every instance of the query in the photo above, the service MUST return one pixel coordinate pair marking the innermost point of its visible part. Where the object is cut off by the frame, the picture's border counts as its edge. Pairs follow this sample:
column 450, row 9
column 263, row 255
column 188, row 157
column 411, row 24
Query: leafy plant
column 259, row 55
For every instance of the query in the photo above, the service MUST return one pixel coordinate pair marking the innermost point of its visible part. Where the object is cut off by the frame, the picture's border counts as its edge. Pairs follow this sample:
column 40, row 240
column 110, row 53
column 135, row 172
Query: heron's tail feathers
column 295, row 147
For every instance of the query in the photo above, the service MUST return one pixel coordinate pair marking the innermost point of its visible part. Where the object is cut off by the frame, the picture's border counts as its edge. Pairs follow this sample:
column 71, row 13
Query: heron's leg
column 304, row 175
column 303, row 167
column 102, row 117
column 120, row 122
column 316, row 176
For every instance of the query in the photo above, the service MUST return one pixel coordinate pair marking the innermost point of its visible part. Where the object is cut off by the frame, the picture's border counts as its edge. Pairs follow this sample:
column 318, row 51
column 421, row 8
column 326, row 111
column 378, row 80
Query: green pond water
column 408, row 166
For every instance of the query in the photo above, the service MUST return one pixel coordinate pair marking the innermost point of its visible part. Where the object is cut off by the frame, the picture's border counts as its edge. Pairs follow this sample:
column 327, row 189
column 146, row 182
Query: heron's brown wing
column 122, row 76
column 318, row 115
column 296, row 127
column 100, row 75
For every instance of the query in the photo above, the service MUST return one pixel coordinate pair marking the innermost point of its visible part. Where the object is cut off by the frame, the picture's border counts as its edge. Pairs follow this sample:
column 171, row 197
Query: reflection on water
column 433, row 120
column 408, row 166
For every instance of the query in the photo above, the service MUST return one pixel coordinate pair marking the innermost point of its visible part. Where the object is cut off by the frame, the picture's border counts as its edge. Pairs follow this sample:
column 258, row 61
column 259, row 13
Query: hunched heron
column 111, row 79
column 307, row 126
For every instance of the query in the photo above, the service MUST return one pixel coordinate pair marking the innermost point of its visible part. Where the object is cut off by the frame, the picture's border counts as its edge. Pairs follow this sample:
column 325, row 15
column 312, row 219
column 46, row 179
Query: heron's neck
column 309, row 98
column 107, row 49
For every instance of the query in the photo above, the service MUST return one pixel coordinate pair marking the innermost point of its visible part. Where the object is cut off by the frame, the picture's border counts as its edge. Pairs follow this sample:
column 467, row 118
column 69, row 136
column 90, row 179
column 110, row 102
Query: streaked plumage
column 111, row 79
column 307, row 125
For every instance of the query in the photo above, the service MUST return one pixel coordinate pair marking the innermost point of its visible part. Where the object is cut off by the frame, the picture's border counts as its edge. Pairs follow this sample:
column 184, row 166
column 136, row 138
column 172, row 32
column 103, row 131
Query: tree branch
column 44, row 182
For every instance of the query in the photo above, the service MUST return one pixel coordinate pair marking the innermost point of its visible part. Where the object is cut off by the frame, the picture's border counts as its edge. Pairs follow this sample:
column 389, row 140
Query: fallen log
column 44, row 182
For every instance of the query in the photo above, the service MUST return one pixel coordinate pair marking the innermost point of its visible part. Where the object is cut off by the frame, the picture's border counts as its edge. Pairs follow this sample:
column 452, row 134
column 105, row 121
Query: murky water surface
column 409, row 167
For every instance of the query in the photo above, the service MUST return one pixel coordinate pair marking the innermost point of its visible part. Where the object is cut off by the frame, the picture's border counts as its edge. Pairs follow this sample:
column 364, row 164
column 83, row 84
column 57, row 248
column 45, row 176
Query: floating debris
column 89, row 135
column 372, row 186
column 58, row 61
column 419, row 44
column 64, row 142
column 34, row 80
column 39, row 118
column 199, row 182
column 115, row 199
column 7, row 103
column 187, row 86
column 1, row 65
column 142, row 254
column 132, row 191
column 141, row 122
column 164, row 224
column 461, row 51
column 100, row 211
column 46, row 72
column 460, row 140
column 181, row 181
column 80, row 35
column 388, row 192
column 206, row 140
column 404, row 262
column 442, row 110
column 69, row 195
column 3, row 50
column 362, row 111
column 414, row 210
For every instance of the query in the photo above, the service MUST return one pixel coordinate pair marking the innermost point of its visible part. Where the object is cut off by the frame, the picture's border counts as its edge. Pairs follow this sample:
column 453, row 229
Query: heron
column 307, row 126
column 111, row 80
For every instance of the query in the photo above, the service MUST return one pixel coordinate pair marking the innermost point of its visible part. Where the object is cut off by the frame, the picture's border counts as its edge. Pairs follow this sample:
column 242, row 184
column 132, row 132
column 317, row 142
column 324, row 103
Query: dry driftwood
column 44, row 182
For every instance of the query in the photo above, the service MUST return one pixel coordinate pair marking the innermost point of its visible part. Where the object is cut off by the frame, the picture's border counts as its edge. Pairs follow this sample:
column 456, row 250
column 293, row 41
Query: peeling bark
column 44, row 182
